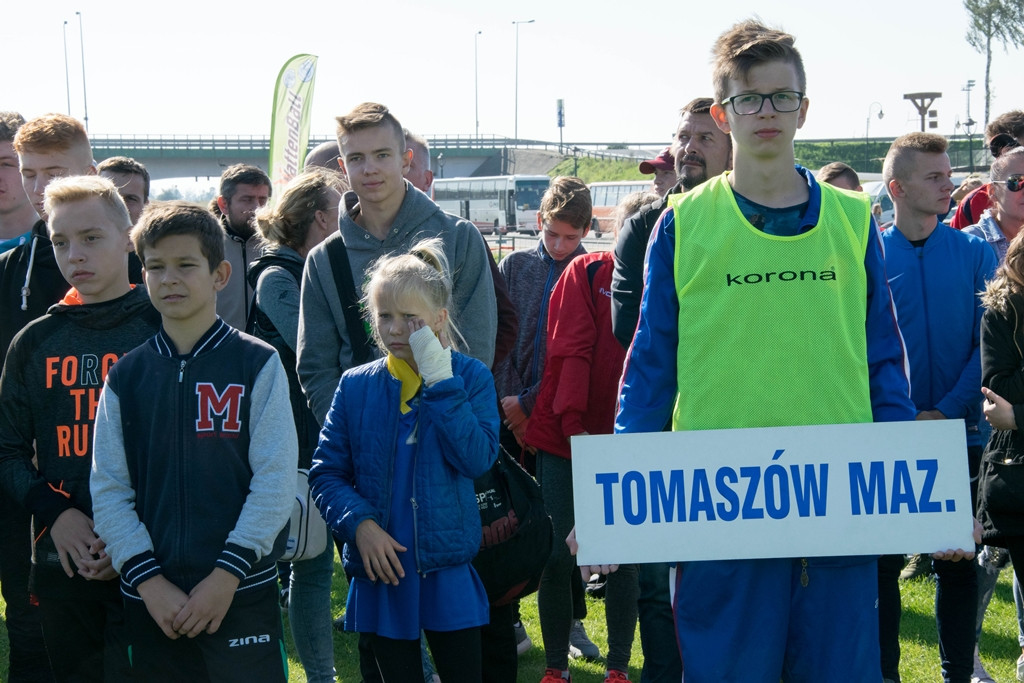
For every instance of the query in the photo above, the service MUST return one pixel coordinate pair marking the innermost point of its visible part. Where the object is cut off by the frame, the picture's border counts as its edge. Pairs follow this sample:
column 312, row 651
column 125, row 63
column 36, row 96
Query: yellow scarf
column 409, row 378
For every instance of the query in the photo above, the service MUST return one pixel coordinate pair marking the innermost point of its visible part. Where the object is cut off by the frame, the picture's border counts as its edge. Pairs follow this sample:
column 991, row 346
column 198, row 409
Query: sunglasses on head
column 1014, row 183
column 1001, row 143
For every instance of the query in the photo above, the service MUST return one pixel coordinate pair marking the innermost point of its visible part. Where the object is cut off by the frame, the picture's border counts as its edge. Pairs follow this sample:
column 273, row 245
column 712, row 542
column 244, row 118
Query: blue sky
column 623, row 69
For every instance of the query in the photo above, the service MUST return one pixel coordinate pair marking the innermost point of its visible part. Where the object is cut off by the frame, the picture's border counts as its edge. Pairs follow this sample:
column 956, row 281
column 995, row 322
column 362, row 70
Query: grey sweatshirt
column 324, row 349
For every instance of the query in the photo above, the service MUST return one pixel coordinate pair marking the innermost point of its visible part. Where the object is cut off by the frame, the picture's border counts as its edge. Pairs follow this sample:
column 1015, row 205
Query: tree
column 994, row 21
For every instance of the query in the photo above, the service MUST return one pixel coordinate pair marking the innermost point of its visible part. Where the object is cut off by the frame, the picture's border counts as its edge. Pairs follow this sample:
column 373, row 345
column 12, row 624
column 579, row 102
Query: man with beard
column 701, row 151
column 243, row 189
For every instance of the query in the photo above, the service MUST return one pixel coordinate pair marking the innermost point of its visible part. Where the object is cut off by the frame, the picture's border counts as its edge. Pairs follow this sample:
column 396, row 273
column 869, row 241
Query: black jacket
column 46, row 285
column 50, row 386
column 260, row 326
column 628, row 277
column 1001, row 487
column 195, row 461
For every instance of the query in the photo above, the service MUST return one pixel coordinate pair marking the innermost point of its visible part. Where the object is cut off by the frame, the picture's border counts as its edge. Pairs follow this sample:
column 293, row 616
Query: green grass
column 594, row 170
column 919, row 661
column 919, row 657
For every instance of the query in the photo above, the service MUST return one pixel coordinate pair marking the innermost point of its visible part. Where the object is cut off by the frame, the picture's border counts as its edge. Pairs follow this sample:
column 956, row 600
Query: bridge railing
column 174, row 142
column 181, row 142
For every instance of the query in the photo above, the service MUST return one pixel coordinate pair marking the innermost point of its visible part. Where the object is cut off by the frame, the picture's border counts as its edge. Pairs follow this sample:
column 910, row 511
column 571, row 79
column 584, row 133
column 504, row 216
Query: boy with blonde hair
column 52, row 378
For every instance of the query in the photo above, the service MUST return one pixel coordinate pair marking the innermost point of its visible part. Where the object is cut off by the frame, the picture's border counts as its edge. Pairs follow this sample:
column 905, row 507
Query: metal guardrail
column 181, row 142
column 174, row 142
column 444, row 141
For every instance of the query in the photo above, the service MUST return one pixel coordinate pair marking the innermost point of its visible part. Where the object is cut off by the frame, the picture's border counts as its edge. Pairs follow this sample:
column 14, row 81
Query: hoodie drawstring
column 25, row 291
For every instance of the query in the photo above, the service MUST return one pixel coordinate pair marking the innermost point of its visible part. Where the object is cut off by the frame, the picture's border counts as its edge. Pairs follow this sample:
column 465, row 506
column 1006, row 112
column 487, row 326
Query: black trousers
column 247, row 648
column 28, row 660
column 457, row 656
column 85, row 639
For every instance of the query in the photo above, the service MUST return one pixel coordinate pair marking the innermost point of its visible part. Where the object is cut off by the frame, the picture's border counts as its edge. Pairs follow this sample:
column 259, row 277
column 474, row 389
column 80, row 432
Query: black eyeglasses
column 752, row 102
column 1002, row 143
column 1014, row 183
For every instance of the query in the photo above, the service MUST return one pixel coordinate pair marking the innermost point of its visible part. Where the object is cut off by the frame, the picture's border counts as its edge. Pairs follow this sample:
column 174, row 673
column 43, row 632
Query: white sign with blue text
column 855, row 489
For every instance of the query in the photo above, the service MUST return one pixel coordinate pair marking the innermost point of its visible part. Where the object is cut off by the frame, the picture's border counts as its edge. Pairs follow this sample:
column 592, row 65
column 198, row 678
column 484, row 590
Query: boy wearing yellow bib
column 766, row 304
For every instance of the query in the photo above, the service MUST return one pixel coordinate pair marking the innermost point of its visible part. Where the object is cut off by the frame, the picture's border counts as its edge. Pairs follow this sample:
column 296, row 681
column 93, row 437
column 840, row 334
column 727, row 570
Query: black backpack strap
column 362, row 350
column 256, row 268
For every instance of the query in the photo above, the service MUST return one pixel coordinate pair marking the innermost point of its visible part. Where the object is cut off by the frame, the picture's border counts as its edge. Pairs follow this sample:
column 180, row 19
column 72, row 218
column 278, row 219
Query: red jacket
column 969, row 211
column 584, row 360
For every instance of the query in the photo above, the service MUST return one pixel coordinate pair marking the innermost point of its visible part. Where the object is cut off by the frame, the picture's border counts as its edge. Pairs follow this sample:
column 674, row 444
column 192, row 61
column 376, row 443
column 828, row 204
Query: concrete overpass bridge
column 206, row 156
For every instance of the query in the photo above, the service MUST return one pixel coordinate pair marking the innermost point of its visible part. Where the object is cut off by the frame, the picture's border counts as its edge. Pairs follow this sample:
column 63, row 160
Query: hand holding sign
column 587, row 570
column 960, row 553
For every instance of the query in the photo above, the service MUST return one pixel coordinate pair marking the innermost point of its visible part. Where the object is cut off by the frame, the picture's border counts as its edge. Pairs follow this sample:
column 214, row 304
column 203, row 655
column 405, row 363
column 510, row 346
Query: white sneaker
column 523, row 642
column 1020, row 668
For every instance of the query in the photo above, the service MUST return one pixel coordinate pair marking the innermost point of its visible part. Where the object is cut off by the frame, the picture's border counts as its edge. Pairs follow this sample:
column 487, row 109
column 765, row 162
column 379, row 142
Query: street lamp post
column 867, row 132
column 85, row 99
column 969, row 124
column 67, row 76
column 476, row 82
column 527, row 21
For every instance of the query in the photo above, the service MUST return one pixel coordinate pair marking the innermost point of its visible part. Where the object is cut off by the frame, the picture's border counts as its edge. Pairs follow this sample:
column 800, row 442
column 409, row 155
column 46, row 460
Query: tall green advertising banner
column 289, row 123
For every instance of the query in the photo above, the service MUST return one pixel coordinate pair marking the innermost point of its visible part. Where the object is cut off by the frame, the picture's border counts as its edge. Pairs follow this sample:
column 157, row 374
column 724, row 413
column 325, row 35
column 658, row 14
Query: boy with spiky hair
column 795, row 619
column 28, row 661
column 195, row 468
column 52, row 378
column 935, row 275
column 48, row 147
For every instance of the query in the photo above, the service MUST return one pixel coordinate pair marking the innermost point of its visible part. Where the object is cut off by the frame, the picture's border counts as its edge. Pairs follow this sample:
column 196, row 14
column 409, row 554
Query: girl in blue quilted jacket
column 393, row 474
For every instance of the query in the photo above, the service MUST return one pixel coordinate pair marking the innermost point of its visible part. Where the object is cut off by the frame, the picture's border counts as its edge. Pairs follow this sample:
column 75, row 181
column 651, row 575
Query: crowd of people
column 167, row 368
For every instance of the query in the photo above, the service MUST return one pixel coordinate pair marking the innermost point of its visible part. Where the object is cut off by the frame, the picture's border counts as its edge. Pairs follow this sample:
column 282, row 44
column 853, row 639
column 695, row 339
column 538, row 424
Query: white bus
column 495, row 204
column 606, row 196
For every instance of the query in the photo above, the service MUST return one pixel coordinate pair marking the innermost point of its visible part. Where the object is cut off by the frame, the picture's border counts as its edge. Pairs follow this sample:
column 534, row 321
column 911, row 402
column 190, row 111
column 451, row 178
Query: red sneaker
column 616, row 676
column 555, row 676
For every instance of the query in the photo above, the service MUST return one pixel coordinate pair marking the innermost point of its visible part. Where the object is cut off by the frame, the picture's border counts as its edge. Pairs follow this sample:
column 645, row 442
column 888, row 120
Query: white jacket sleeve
column 273, row 458
column 113, row 497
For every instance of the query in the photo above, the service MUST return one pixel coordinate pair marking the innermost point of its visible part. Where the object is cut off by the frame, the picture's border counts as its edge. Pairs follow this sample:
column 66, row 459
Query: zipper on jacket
column 927, row 320
column 415, row 505
column 179, row 454
column 415, row 523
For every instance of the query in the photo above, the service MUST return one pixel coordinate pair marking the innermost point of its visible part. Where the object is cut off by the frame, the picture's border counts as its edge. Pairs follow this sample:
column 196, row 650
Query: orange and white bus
column 607, row 195
column 495, row 204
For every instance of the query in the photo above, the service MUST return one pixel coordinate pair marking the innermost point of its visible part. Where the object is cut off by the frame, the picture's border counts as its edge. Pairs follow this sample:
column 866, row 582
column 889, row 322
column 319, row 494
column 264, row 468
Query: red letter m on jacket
column 228, row 405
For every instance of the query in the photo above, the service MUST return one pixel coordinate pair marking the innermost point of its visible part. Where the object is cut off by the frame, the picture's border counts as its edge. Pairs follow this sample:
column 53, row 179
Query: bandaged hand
column 433, row 360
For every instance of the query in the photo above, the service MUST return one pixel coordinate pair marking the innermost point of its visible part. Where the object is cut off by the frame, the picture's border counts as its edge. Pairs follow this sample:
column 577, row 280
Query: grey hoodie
column 324, row 350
